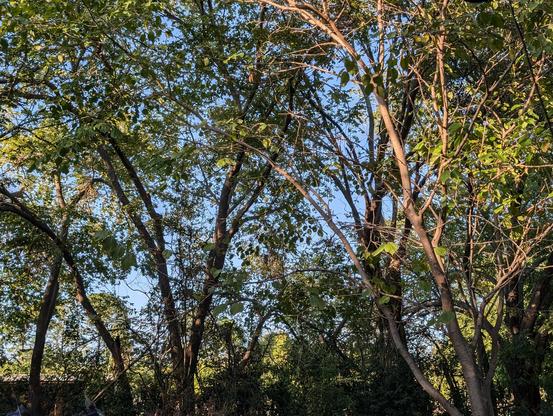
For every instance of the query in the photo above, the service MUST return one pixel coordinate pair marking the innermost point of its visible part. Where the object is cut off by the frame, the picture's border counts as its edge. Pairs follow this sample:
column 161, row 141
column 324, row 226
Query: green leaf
column 226, row 161
column 217, row 310
column 109, row 244
column 392, row 74
column 425, row 286
column 445, row 317
column 486, row 18
column 383, row 300
column 344, row 78
column 236, row 308
column 233, row 57
column 102, row 235
column 440, row 251
column 366, row 293
column 208, row 247
column 350, row 65
column 316, row 301
column 419, row 266
column 367, row 83
column 390, row 248
column 313, row 290
column 261, row 127
column 128, row 260
column 215, row 272
column 404, row 63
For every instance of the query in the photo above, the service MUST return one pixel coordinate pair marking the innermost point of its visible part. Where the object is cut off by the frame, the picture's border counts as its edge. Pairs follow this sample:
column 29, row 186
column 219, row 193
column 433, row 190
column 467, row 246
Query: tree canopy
column 276, row 207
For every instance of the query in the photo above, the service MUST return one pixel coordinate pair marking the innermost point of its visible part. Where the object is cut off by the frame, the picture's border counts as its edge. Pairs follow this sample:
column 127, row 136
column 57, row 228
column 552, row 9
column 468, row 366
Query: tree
column 303, row 200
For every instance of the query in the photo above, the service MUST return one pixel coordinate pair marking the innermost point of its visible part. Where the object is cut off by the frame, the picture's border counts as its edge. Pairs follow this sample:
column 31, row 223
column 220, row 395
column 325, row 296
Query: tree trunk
column 156, row 246
column 524, row 380
column 46, row 312
column 481, row 403
column 524, row 368
column 123, row 392
column 254, row 340
column 214, row 264
column 171, row 317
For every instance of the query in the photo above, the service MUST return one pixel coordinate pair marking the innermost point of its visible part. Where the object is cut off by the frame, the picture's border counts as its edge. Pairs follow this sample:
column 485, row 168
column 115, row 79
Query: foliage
column 277, row 207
